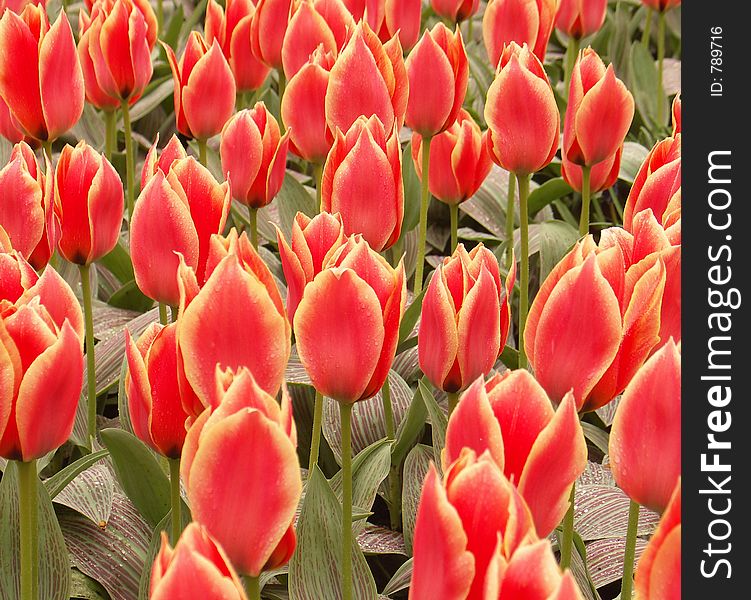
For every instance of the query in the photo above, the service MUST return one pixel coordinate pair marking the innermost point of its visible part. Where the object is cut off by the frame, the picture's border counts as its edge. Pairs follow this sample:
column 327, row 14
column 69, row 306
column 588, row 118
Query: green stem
column 48, row 150
column 469, row 28
column 572, row 53
column 163, row 319
column 567, row 542
column 647, row 29
column 388, row 410
column 346, row 415
column 628, row 558
column 318, row 174
column 159, row 16
column 90, row 365
column 394, row 491
column 203, row 157
column 315, row 441
column 110, row 133
column 27, row 495
column 176, row 500
column 524, row 276
column 454, row 212
column 510, row 210
column 252, row 587
column 660, row 59
column 253, row 224
column 453, row 401
column 130, row 166
column 424, row 203
column 586, row 197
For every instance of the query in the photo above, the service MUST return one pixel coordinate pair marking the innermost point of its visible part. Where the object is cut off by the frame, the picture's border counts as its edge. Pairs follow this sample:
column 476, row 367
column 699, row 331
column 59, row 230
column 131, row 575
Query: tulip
column 267, row 29
column 658, row 575
column 522, row 21
column 161, row 161
column 601, row 176
column 580, row 18
column 455, row 11
column 16, row 275
column 17, row 6
column 676, row 115
column 232, row 31
column 401, row 18
column 239, row 455
column 368, row 78
column 196, row 568
column 9, row 128
column 661, row 5
column 370, row 11
column 41, row 80
column 464, row 320
column 362, row 180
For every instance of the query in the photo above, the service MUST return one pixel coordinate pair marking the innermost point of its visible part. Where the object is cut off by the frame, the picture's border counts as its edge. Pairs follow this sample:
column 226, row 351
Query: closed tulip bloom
column 196, row 568
column 17, row 6
column 455, row 10
column 304, row 108
column 41, row 357
column 232, row 31
column 661, row 5
column 368, row 78
column 41, row 80
column 362, row 180
column 658, row 574
column 88, row 204
column 521, row 21
column 254, row 156
column 521, row 113
column 204, row 88
column 157, row 160
column 438, row 72
column 401, row 18
column 599, row 112
column 267, row 29
column 16, row 274
column 347, row 323
column 459, row 160
column 580, row 18
column 9, row 128
column 239, row 456
column 646, row 419
column 602, row 176
column 314, row 242
column 370, row 11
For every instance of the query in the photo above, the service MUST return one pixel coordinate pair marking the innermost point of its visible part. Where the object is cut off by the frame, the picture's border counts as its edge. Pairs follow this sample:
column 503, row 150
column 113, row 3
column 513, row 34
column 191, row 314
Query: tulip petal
column 241, row 153
column 59, row 300
column 532, row 573
column 137, row 385
column 106, row 205
column 437, row 338
column 21, row 210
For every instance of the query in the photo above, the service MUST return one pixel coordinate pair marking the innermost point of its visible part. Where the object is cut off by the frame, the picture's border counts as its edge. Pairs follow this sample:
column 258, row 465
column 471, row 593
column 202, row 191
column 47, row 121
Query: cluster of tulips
column 205, row 385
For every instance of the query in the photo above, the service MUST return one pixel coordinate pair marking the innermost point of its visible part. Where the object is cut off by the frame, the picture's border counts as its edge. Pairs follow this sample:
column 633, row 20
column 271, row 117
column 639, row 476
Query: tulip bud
column 527, row 22
column 162, row 161
column 267, row 29
column 254, row 156
column 347, row 323
column 204, row 88
column 41, row 80
column 196, row 568
column 601, row 176
column 661, row 5
column 88, row 204
column 16, row 275
column 438, row 72
column 521, row 113
column 455, row 11
column 401, row 18
column 580, row 18
column 232, row 31
column 9, row 127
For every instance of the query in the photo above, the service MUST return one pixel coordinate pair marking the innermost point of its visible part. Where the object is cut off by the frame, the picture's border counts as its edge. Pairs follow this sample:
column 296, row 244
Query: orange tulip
column 196, row 568
column 314, row 241
column 254, row 156
column 522, row 21
column 239, row 455
column 380, row 87
column 647, row 418
column 362, row 180
column 347, row 323
column 370, row 11
column 602, row 176
column 677, row 115
column 304, row 108
column 401, row 18
column 459, row 160
column 88, row 204
column 9, row 128
column 17, row 6
column 580, row 18
column 41, row 350
column 658, row 574
column 267, row 29
column 16, row 275
column 455, row 11
column 41, row 80
column 438, row 72
column 521, row 113
column 204, row 88
column 161, row 161
column 232, row 31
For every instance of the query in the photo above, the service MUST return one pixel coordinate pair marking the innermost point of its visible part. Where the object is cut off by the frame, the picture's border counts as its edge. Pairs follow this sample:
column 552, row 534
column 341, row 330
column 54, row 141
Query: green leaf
column 90, row 494
column 510, row 357
column 415, row 469
column 597, row 436
column 369, row 468
column 59, row 480
column 412, row 191
column 438, row 419
column 633, row 156
column 556, row 239
column 172, row 32
column 549, row 191
column 291, row 199
column 410, row 429
column 139, row 473
column 152, row 98
column 118, row 262
column 411, row 315
column 131, row 297
column 400, row 580
column 644, row 83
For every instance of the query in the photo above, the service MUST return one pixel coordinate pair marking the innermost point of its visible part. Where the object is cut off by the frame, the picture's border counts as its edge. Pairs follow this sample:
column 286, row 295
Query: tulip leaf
column 315, row 568
column 412, row 191
column 374, row 539
column 411, row 315
column 139, row 473
column 59, row 480
column 171, row 34
column 53, row 565
column 438, row 418
column 415, row 468
column 118, row 262
column 131, row 297
column 291, row 199
column 488, row 205
column 556, row 239
column 596, row 436
column 410, row 429
column 644, row 84
column 549, row 191
column 400, row 580
column 605, row 559
column 90, row 494
column 631, row 160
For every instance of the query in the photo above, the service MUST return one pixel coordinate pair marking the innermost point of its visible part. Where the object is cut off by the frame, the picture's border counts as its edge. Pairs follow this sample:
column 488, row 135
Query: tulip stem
column 163, row 319
column 453, row 401
column 159, row 16
column 110, row 133
column 203, row 153
column 90, row 364
column 394, row 491
column 388, row 411
column 176, row 500
column 572, row 54
column 48, row 150
column 510, row 210
column 567, row 542
column 454, row 212
column 628, row 558
column 27, row 504
column 469, row 28
column 660, row 60
column 524, row 278
column 315, row 441
column 424, row 203
column 130, row 167
column 586, row 197
column 346, row 416
column 647, row 29
column 253, row 224
column 253, row 588
column 318, row 174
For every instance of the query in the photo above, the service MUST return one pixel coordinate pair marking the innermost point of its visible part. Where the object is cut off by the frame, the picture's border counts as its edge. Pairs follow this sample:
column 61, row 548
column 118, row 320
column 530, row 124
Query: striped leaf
column 90, row 493
column 379, row 540
column 605, row 559
column 415, row 469
column 400, row 580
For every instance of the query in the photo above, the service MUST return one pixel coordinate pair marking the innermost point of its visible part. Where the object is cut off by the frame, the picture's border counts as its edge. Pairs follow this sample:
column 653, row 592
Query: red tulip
column 239, row 456
column 88, row 204
column 677, row 115
column 602, row 176
column 347, row 323
column 599, row 112
column 314, row 241
column 661, row 5
column 522, row 21
column 17, row 6
column 16, row 275
column 254, row 156
column 267, row 29
column 239, row 302
column 362, row 180
column 459, row 160
column 370, row 11
column 196, row 568
column 368, row 78
column 304, row 108
column 401, row 18
column 580, row 18
column 232, row 31
column 647, row 418
column 521, row 113
column 455, row 11
column 162, row 161
column 658, row 574
column 40, row 77
column 41, row 356
column 438, row 72
column 9, row 128
column 204, row 88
